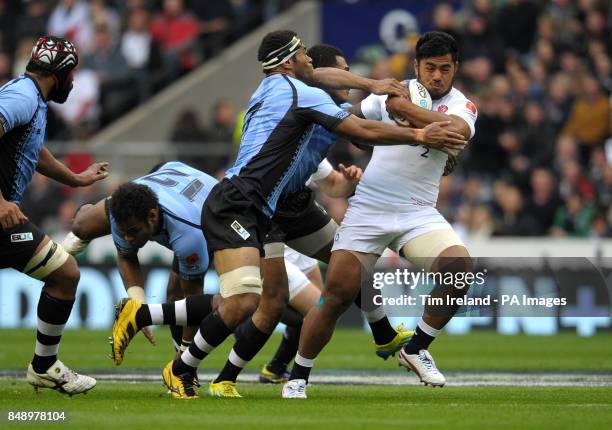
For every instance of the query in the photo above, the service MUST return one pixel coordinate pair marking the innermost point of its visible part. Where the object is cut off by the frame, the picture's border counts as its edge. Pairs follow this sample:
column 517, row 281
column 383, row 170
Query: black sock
column 53, row 314
column 198, row 308
column 249, row 341
column 214, row 331
column 176, row 331
column 143, row 317
column 286, row 350
column 291, row 317
column 300, row 372
column 382, row 331
column 420, row 340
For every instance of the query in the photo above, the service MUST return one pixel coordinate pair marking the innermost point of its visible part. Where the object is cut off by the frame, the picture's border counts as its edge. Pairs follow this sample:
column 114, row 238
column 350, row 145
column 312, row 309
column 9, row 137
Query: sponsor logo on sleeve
column 21, row 237
column 442, row 108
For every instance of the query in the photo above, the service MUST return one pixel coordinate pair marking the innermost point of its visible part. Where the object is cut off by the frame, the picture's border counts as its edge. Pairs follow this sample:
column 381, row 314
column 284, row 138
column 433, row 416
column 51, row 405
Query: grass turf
column 146, row 405
column 349, row 349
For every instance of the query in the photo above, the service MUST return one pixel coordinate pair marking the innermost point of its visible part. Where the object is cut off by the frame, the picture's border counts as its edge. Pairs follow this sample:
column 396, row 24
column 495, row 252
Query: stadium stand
column 541, row 161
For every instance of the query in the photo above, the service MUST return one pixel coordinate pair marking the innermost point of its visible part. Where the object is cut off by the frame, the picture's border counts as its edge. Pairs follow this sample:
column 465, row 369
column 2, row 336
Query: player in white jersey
column 394, row 206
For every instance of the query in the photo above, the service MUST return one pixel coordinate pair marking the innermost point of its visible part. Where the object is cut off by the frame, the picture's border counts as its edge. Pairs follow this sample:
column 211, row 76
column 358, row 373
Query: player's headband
column 281, row 55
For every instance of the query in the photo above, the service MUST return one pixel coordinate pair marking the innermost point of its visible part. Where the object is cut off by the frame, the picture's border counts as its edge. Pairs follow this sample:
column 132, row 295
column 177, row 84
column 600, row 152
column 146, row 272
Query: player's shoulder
column 456, row 94
column 306, row 92
column 180, row 167
column 455, row 97
column 21, row 89
column 182, row 224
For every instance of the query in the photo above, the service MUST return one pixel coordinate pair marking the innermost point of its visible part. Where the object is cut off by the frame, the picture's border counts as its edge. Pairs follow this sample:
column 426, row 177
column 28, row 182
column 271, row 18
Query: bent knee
column 70, row 272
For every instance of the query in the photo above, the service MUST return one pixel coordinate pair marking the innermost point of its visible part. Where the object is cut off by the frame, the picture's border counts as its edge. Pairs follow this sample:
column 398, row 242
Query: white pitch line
column 454, row 379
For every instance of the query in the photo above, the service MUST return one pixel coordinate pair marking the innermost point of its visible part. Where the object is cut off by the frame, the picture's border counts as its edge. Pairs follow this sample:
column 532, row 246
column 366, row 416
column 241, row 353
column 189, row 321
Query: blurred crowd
column 540, row 74
column 128, row 49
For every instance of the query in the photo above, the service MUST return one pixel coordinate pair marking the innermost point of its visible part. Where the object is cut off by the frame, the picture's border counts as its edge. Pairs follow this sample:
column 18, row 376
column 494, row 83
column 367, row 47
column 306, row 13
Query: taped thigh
column 46, row 261
column 244, row 280
column 424, row 249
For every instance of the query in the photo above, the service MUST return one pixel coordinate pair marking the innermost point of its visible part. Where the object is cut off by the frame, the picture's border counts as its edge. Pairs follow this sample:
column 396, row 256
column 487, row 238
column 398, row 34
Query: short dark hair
column 436, row 44
column 324, row 55
column 132, row 201
column 273, row 41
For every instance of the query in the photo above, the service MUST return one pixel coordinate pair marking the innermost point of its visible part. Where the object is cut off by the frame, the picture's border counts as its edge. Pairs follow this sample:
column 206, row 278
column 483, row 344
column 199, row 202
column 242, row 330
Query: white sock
column 236, row 360
column 304, row 362
column 375, row 315
column 433, row 332
column 157, row 314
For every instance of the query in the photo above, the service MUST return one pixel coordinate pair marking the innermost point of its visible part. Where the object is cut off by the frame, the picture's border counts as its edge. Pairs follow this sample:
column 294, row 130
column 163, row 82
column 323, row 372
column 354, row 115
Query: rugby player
column 163, row 206
column 297, row 211
column 93, row 221
column 23, row 247
column 160, row 195
column 240, row 214
column 394, row 206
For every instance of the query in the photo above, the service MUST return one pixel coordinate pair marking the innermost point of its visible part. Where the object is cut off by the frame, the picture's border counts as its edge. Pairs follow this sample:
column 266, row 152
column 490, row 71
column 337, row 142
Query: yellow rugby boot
column 402, row 338
column 181, row 386
column 223, row 389
column 124, row 327
column 266, row 376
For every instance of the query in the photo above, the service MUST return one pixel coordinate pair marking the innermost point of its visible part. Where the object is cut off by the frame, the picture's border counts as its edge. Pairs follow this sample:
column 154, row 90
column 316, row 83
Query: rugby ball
column 419, row 96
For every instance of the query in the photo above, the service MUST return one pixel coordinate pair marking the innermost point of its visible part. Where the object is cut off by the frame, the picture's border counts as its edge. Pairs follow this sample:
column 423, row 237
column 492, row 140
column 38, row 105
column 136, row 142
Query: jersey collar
column 37, row 86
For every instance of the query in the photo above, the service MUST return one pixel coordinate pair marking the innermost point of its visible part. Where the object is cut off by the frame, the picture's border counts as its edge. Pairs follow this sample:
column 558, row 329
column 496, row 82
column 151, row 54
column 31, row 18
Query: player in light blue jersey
column 23, row 246
column 163, row 206
column 298, row 213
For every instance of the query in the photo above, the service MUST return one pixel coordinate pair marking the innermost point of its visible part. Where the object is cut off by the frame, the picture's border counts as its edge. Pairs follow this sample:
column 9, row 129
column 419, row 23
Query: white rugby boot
column 61, row 378
column 295, row 389
column 424, row 366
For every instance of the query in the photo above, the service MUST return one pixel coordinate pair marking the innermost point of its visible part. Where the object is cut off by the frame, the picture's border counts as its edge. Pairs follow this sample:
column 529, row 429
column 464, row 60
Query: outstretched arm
column 376, row 133
column 49, row 166
column 331, row 78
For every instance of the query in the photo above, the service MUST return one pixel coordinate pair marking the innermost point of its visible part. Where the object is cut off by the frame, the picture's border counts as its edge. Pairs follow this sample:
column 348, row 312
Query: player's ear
column 416, row 68
column 153, row 215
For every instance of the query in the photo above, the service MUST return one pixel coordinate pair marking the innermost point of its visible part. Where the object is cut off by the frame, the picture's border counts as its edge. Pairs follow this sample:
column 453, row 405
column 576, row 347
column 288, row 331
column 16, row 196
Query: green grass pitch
column 146, row 405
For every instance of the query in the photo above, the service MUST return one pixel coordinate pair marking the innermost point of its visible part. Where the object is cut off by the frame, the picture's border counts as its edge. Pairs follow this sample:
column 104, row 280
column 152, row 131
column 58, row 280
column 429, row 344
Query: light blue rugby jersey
column 319, row 145
column 181, row 191
column 23, row 115
column 274, row 154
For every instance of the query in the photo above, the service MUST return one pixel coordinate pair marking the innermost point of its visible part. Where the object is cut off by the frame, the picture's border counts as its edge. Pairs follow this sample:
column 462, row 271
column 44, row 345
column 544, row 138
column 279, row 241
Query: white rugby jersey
column 408, row 174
